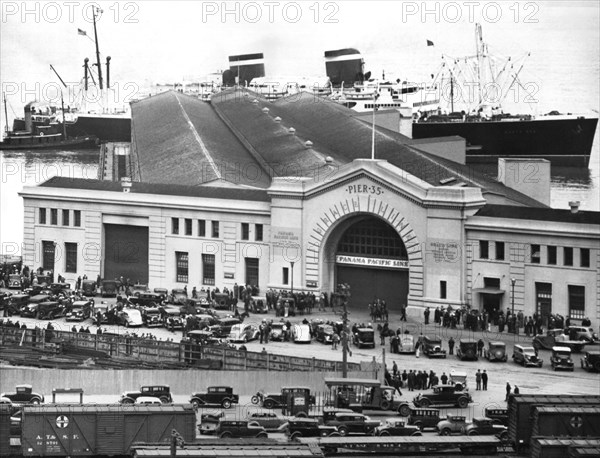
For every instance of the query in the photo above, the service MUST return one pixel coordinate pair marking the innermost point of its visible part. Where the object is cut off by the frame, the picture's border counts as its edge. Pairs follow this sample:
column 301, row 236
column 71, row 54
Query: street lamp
column 513, row 281
column 292, row 265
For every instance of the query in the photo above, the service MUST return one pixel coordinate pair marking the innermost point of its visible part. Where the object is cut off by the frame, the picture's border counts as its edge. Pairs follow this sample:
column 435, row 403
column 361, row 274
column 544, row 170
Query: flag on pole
column 82, row 32
column 430, row 43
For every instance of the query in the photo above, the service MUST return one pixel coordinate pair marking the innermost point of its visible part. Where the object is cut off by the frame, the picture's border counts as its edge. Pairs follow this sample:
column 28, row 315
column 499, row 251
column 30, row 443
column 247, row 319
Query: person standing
column 451, row 346
column 335, row 340
column 478, row 380
column 403, row 313
column 516, row 390
column 444, row 378
column 426, row 314
column 508, row 388
column 480, row 345
column 484, row 380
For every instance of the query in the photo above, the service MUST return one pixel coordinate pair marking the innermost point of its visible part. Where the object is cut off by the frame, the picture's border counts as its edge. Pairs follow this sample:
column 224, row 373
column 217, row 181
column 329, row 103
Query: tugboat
column 490, row 133
column 46, row 132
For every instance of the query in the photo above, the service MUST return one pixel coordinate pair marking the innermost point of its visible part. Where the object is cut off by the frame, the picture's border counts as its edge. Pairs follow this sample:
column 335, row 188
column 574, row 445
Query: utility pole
column 344, row 293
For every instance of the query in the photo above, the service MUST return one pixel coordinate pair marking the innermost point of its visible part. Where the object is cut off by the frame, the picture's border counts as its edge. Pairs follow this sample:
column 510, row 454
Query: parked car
column 171, row 318
column 49, row 310
column 452, row 424
column 88, row 287
column 162, row 392
column 129, row 317
column 584, row 333
column 152, row 317
column 240, row 428
column 163, row 293
column 458, row 379
column 498, row 415
column 325, row 333
column 467, row 350
column 591, row 361
column 80, row 310
column 31, row 308
column 215, row 395
column 301, row 333
column 353, row 423
column 24, row 394
column 527, row 356
column 397, row 427
column 421, row 417
column 109, row 288
column 278, row 330
column 148, row 401
column 561, row 358
column 14, row 303
column 222, row 328
column 364, row 337
column 443, row 395
column 60, row 288
column 269, row 420
column 14, row 281
column 146, row 299
column 432, row 347
column 139, row 288
column 486, row 427
column 555, row 337
column 222, row 301
column 406, row 344
column 243, row 332
column 495, row 351
column 309, row 427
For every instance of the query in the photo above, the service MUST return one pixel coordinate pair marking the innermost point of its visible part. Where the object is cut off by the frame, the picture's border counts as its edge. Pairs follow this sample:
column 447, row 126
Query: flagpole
column 373, row 129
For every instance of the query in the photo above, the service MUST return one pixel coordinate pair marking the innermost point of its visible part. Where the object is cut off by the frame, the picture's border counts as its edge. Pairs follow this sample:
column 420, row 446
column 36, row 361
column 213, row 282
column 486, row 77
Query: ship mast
column 97, row 48
column 479, row 50
column 5, row 113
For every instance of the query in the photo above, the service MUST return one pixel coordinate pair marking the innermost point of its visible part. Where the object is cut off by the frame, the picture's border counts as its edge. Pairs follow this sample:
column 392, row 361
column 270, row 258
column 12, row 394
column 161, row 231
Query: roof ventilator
column 292, row 131
column 308, row 144
column 277, row 119
column 265, row 110
column 574, row 204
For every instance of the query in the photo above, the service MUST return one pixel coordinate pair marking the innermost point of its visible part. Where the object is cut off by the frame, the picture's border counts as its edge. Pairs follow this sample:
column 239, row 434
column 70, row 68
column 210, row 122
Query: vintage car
column 240, row 428
column 14, row 281
column 591, row 361
column 555, row 337
column 215, row 395
column 109, row 288
column 278, row 330
column 458, row 379
column 223, row 327
column 496, row 351
column 152, row 317
column 88, row 287
column 301, row 333
column 257, row 304
column 138, row 289
column 364, row 337
column 397, row 427
column 148, row 401
column 129, row 317
column 432, row 347
column 171, row 318
column 498, row 415
column 271, row 421
column 44, row 280
column 146, row 299
column 80, row 310
column 222, row 301
column 482, row 426
column 467, row 350
column 243, row 332
column 406, row 344
column 421, row 417
column 24, row 395
column 443, row 395
column 14, row 303
column 452, row 424
column 527, row 356
column 308, row 427
column 49, row 310
column 163, row 293
column 561, row 358
column 30, row 309
column 162, row 392
column 100, row 311
column 203, row 337
column 178, row 296
column 325, row 333
column 300, row 396
column 582, row 333
column 60, row 288
column 353, row 423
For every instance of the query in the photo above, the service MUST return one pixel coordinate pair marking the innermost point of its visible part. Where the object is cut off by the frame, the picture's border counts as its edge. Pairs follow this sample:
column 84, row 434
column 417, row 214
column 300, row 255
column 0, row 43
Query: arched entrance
column 368, row 254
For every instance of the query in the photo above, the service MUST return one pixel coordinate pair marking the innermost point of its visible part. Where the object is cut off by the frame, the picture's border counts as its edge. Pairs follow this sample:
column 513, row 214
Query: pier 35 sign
column 372, row 262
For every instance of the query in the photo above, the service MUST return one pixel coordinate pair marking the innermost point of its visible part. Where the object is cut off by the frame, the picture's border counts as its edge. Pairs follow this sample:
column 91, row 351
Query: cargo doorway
column 126, row 252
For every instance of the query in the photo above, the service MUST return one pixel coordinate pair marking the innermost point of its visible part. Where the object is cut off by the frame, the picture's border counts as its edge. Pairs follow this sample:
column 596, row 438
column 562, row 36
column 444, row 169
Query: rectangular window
column 245, row 231
column 174, row 225
column 286, row 275
column 181, row 259
column 568, row 256
column 500, row 251
column 584, row 257
column 208, row 269
column 577, row 302
column 484, row 249
column 48, row 255
column 258, row 234
column 54, row 216
column 201, row 228
column 42, row 216
column 215, row 229
column 443, row 289
column 188, row 226
column 70, row 257
column 552, row 255
column 535, row 254
column 65, row 215
column 77, row 218
column 252, row 271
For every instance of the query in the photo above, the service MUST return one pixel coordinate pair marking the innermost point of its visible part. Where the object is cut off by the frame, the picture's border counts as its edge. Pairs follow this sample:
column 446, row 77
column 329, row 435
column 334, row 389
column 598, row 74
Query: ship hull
column 21, row 143
column 106, row 128
column 562, row 141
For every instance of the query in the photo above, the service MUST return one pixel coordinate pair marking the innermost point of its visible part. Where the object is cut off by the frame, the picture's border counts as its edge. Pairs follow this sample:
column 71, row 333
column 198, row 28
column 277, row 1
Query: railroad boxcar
column 520, row 411
column 559, row 421
column 107, row 430
column 552, row 447
column 5, row 411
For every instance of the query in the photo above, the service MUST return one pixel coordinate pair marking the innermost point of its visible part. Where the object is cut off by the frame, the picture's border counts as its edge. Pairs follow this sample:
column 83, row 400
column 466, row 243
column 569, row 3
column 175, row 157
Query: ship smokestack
column 28, row 123
column 85, row 73
column 108, row 72
column 244, row 67
column 344, row 65
column 574, row 204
